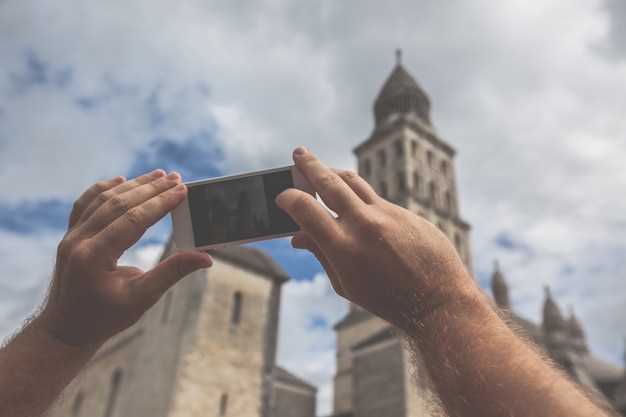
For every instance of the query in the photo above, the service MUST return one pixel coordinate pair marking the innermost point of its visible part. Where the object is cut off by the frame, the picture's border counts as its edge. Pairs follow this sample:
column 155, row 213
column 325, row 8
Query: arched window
column 449, row 205
column 399, row 148
column 77, row 404
column 400, row 179
column 167, row 302
column 417, row 184
column 116, row 381
column 444, row 167
column 235, row 316
column 432, row 189
column 382, row 158
column 458, row 242
column 223, row 405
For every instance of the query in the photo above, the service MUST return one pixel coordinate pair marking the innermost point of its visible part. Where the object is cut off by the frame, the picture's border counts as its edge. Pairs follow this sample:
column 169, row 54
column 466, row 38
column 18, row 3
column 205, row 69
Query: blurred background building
column 208, row 346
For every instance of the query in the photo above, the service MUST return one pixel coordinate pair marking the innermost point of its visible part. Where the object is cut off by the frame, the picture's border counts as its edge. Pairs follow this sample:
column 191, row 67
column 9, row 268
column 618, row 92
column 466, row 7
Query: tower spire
column 398, row 56
column 499, row 287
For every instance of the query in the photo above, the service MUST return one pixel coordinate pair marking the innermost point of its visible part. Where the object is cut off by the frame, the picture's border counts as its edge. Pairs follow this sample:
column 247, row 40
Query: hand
column 378, row 255
column 91, row 297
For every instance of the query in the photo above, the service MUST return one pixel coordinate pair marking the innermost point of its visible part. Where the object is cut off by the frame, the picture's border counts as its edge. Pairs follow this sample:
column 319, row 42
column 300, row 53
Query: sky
column 531, row 95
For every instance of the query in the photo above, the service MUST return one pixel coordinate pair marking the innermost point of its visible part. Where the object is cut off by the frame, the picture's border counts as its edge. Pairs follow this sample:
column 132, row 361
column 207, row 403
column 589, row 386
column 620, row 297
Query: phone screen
column 239, row 208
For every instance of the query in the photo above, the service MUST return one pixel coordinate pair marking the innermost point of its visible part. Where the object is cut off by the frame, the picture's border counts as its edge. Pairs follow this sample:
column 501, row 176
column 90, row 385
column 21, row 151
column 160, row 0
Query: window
column 382, row 158
column 401, row 182
column 167, row 302
column 433, row 193
column 367, row 167
column 78, row 404
column 417, row 184
column 444, row 168
column 457, row 241
column 235, row 316
column 448, row 201
column 413, row 148
column 383, row 189
column 223, row 405
column 429, row 158
column 399, row 146
column 116, row 381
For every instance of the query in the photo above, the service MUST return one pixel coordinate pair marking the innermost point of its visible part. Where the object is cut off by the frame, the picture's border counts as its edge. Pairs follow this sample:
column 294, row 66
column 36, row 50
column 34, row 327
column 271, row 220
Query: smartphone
column 236, row 209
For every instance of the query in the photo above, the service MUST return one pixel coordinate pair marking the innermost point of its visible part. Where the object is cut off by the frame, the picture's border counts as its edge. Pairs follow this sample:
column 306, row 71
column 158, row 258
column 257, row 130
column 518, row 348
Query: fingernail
column 173, row 175
column 207, row 261
column 180, row 187
column 157, row 173
column 299, row 151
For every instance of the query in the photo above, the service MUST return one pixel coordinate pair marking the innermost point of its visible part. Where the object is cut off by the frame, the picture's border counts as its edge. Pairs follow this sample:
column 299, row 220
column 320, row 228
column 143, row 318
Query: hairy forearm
column 480, row 367
column 34, row 369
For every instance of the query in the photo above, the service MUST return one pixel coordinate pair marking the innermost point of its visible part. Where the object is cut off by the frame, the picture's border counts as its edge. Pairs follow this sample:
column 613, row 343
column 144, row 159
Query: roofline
column 377, row 135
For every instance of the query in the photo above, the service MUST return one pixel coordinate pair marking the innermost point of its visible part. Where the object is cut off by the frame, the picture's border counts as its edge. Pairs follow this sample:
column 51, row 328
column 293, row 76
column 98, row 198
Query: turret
column 401, row 95
column 576, row 333
column 499, row 288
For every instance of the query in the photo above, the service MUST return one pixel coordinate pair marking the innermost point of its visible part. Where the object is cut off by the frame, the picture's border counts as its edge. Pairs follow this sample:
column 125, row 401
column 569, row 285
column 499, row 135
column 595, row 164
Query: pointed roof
column 574, row 326
column 499, row 288
column 552, row 317
column 401, row 94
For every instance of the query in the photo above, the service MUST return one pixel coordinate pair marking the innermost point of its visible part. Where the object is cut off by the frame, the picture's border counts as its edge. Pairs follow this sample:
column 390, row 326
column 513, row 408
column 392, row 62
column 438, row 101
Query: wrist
column 41, row 332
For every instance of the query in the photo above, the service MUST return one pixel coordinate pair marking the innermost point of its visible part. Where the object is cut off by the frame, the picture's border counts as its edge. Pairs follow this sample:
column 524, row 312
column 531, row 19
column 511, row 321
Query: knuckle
column 300, row 204
column 374, row 223
column 350, row 175
column 118, row 204
column 327, row 181
column 134, row 217
column 100, row 186
column 80, row 254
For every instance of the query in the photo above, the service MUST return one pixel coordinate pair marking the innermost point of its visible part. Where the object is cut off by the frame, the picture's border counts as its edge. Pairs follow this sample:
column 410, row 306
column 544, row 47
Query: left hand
column 91, row 297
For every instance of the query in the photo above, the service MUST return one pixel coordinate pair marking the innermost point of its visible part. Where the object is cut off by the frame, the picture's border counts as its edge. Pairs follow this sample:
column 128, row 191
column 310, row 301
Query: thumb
column 160, row 278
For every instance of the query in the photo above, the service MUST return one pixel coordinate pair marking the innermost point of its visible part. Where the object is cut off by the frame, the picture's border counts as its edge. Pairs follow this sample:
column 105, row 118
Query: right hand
column 378, row 255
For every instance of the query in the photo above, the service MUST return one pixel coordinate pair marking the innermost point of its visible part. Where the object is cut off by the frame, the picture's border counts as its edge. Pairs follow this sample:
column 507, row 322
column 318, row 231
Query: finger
column 309, row 214
column 302, row 241
column 361, row 187
column 121, row 188
column 88, row 196
column 155, row 282
column 333, row 190
column 128, row 228
column 119, row 204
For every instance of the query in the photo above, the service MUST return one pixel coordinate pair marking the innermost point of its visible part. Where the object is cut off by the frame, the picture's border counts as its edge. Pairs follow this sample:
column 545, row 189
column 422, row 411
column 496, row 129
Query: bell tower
column 406, row 161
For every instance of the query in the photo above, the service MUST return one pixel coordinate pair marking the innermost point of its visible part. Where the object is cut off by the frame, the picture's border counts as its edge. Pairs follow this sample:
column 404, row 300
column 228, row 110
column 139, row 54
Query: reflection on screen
column 239, row 209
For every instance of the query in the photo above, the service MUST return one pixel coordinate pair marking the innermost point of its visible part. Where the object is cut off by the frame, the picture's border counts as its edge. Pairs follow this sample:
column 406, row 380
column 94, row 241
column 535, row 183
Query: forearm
column 480, row 367
column 34, row 369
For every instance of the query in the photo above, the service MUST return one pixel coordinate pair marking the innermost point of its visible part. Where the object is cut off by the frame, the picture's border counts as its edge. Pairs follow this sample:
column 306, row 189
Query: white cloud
column 306, row 342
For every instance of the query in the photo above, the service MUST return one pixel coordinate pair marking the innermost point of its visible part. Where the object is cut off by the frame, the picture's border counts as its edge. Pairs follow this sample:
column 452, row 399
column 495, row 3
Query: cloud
column 306, row 343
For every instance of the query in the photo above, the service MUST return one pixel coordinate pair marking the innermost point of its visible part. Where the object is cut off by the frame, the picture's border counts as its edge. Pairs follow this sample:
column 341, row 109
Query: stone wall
column 221, row 369
column 292, row 401
column 378, row 377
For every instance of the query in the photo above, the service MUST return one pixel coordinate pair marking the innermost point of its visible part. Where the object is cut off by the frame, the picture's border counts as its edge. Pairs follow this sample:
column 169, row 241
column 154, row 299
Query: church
column 208, row 347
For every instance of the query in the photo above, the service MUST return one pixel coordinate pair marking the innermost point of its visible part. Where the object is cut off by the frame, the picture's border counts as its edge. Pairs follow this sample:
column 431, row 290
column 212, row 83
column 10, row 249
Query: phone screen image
column 239, row 208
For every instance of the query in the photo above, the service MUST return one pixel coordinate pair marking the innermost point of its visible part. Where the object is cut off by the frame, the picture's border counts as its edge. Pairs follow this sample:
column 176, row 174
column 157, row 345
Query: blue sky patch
column 299, row 264
column 30, row 216
column 195, row 158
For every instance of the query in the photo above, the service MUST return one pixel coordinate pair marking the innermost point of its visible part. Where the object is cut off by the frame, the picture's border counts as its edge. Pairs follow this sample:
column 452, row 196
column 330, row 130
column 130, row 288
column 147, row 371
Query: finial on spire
column 496, row 265
column 546, row 290
column 398, row 56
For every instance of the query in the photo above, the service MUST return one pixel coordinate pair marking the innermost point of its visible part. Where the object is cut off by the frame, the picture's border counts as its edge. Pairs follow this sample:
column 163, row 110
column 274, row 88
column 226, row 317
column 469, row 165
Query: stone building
column 207, row 348
column 406, row 161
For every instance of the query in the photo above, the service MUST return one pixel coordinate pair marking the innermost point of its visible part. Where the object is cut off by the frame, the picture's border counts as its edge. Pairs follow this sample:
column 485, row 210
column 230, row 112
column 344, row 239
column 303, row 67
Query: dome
column 401, row 94
column 552, row 318
column 499, row 288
